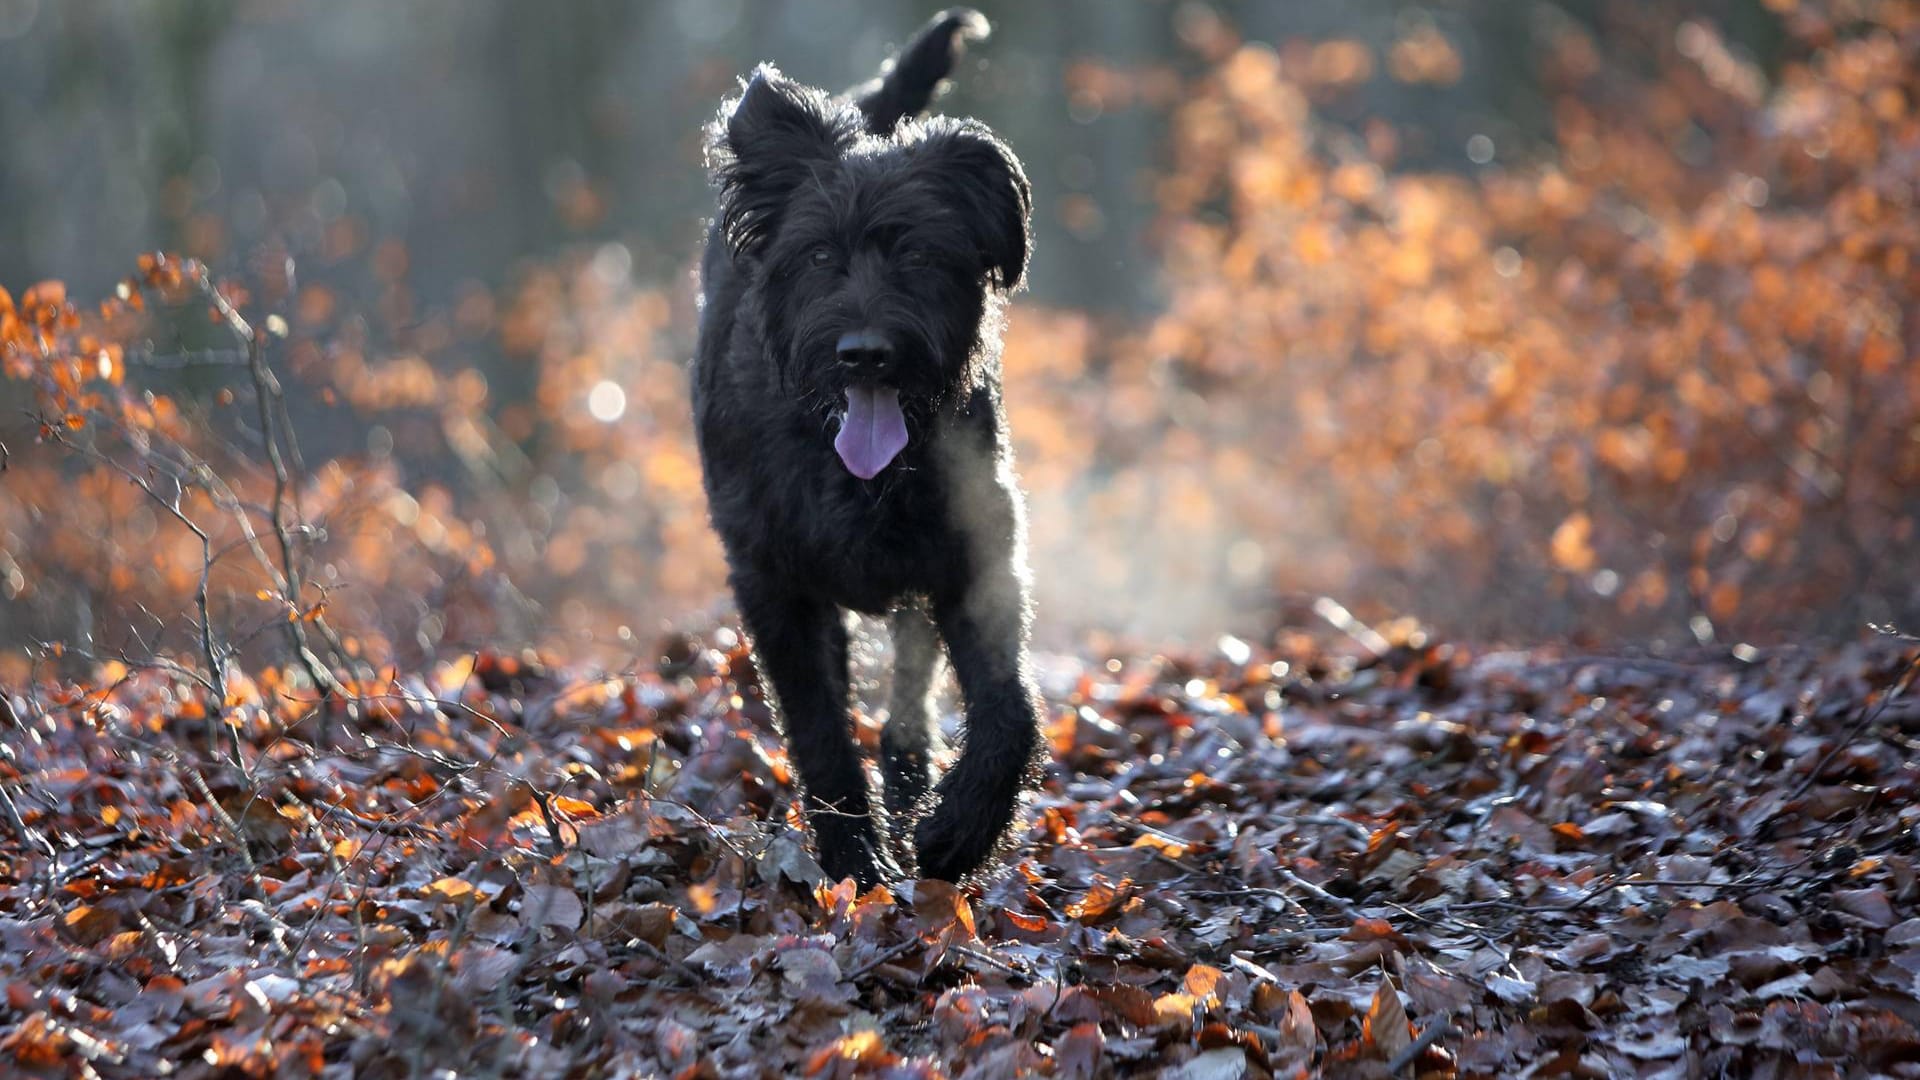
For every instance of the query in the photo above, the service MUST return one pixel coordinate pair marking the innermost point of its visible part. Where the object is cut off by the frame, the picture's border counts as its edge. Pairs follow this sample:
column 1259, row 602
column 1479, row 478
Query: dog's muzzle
column 867, row 353
column 873, row 429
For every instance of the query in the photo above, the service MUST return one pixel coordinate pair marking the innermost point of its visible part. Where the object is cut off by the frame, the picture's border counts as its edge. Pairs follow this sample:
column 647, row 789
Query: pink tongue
column 873, row 432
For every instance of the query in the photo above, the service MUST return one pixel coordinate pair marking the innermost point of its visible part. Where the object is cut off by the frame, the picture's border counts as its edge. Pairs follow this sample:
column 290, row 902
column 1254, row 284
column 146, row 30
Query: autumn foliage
column 363, row 683
column 1659, row 378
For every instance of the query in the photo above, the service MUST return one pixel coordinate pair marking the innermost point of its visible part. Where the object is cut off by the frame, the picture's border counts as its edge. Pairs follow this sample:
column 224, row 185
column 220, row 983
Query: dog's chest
column 865, row 547
column 785, row 505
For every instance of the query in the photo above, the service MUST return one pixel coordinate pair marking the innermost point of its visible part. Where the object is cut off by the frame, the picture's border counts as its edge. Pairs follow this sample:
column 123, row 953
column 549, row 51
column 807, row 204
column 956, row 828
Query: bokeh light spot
column 607, row 402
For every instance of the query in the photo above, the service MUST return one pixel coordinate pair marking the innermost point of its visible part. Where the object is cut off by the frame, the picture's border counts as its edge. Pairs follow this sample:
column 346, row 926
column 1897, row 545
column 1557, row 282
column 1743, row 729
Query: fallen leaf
column 1387, row 1027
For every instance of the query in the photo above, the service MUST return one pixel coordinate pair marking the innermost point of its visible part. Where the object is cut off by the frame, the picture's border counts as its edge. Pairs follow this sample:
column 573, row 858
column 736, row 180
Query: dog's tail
column 907, row 81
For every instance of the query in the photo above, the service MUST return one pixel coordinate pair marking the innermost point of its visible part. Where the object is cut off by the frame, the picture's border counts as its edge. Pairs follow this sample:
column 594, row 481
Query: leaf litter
column 1434, row 862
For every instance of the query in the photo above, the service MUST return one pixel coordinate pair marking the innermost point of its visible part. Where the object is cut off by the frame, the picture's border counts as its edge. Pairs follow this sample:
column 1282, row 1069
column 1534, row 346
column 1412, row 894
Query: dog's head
column 877, row 257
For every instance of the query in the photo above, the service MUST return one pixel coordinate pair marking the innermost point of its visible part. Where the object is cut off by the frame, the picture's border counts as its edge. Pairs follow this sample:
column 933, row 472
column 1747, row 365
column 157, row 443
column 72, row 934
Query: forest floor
column 1436, row 862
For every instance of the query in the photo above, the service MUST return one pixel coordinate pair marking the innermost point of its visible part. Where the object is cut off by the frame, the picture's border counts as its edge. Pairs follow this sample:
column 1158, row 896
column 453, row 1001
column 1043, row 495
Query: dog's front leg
column 986, row 635
column 800, row 645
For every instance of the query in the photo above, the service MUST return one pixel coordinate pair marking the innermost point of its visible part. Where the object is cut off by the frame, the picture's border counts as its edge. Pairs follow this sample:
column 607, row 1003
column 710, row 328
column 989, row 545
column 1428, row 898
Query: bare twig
column 545, row 801
column 1337, row 616
column 1407, row 1054
column 29, row 838
column 1352, row 828
column 267, row 392
column 199, row 783
column 184, row 360
column 1866, row 720
column 1649, row 664
column 216, row 681
column 984, row 957
column 659, row 956
column 888, row 956
column 1318, row 893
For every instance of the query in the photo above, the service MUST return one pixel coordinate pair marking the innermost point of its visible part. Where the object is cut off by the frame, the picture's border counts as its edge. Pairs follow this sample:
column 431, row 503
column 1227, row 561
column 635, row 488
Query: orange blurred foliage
column 1623, row 388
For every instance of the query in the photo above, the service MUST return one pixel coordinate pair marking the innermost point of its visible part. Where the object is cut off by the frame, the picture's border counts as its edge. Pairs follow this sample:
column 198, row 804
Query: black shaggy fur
column 849, row 220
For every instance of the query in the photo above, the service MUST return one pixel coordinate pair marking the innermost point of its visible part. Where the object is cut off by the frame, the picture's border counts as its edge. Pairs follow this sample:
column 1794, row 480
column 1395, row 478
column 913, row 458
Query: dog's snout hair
column 858, row 266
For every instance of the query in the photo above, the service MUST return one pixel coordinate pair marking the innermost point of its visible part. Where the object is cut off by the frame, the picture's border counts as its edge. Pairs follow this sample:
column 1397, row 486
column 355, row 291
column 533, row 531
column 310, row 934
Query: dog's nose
column 866, row 350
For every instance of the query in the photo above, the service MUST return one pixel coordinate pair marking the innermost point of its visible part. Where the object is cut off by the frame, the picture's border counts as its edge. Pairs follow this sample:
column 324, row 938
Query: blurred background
column 1584, row 319
column 480, row 133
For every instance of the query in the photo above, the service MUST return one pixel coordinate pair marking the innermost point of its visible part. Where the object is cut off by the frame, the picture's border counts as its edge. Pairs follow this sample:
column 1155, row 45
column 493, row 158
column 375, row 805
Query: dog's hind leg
column 907, row 742
column 986, row 633
column 800, row 645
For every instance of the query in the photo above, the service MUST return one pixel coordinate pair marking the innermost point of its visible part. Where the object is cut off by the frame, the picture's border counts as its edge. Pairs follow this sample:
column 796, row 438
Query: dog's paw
column 951, row 849
column 861, row 858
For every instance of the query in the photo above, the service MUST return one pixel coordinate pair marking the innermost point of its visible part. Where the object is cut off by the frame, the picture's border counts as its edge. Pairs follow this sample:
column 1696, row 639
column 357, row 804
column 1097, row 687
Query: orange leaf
column 1572, row 544
column 1297, row 1027
column 863, row 1048
column 1032, row 924
column 1365, row 929
column 1172, row 849
column 1203, row 982
column 37, row 1043
column 575, row 807
column 1382, row 837
column 449, row 888
column 48, row 293
column 1103, row 899
column 940, row 906
column 1386, row 1025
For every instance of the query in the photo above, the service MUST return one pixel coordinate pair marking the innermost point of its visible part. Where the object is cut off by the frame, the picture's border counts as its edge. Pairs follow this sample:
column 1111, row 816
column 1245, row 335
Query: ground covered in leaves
column 1438, row 862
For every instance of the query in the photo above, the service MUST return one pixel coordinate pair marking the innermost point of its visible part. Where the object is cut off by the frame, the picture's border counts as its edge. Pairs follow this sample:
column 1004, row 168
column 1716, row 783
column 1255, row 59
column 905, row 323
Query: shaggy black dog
column 846, row 393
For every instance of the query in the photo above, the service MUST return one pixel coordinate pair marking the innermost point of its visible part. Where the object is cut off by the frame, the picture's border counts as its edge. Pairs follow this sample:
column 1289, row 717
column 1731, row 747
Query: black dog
column 846, row 393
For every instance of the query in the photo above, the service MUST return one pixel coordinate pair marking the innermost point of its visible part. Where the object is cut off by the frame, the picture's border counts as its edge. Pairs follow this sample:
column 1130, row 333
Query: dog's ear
column 992, row 190
column 766, row 143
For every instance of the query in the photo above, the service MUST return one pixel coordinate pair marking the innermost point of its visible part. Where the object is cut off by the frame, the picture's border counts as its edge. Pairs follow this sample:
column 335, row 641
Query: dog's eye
column 914, row 258
column 820, row 256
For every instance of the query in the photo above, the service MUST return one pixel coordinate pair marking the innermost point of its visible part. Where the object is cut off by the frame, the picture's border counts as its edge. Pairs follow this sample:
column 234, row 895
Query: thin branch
column 1407, row 1054
column 192, row 358
column 29, row 838
column 266, row 392
column 886, row 956
column 1866, row 720
column 210, row 653
column 1344, row 907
